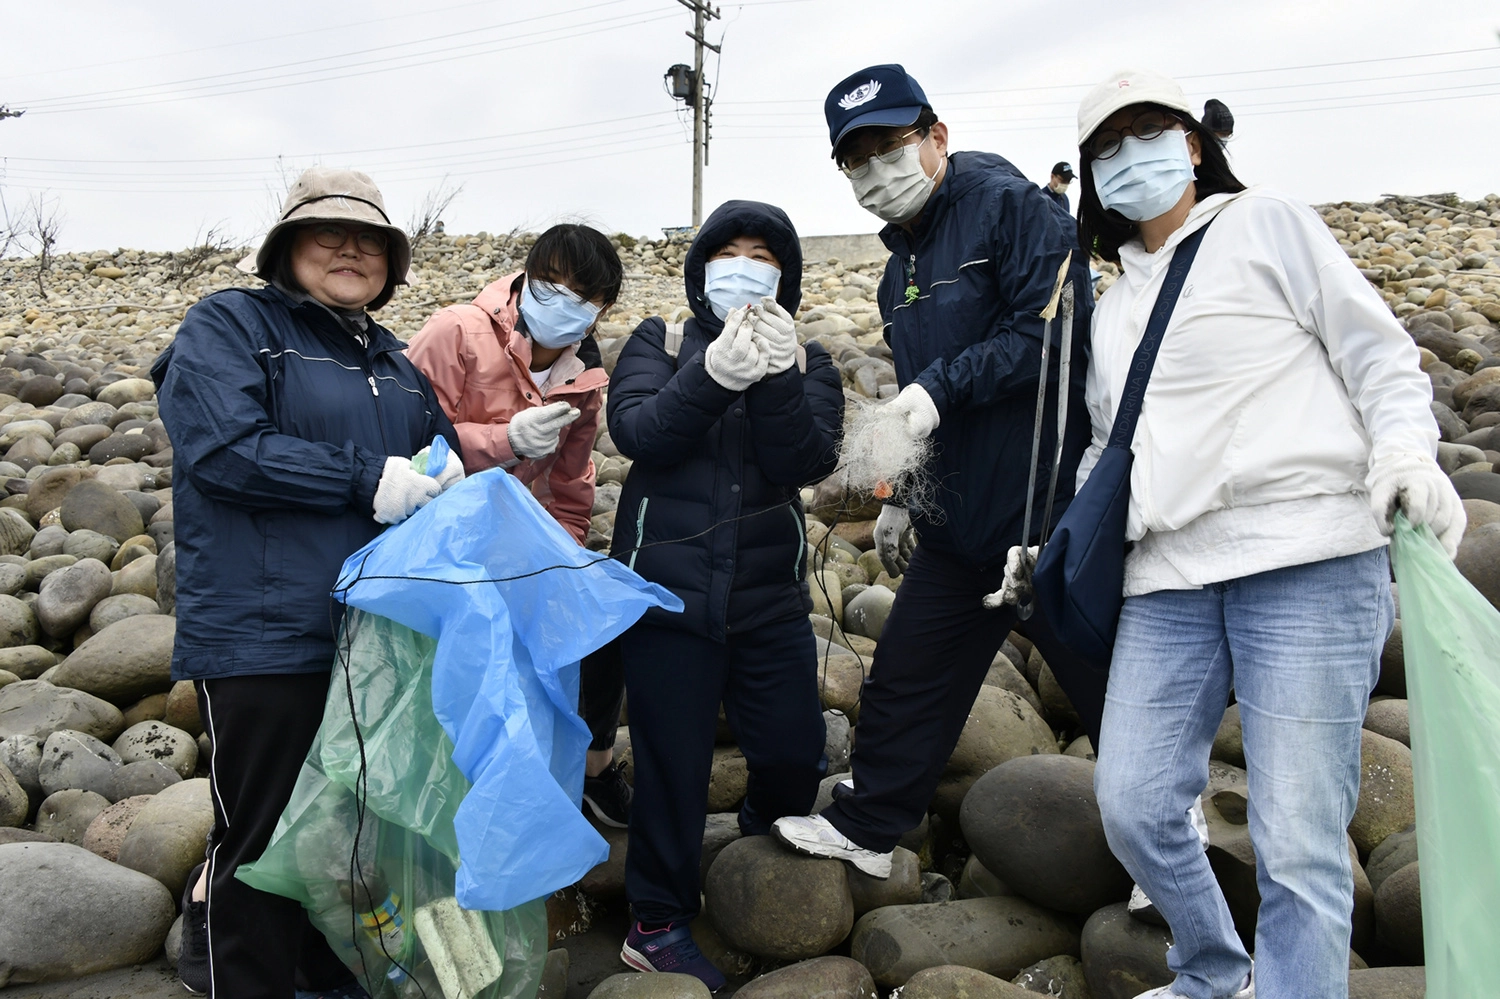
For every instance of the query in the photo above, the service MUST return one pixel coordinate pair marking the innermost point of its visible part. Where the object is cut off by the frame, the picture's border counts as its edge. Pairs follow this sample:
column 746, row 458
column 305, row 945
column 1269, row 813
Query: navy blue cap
column 880, row 95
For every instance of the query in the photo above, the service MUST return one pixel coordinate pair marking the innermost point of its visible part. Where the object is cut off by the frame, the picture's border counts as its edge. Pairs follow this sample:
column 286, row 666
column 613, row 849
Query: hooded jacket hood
column 744, row 218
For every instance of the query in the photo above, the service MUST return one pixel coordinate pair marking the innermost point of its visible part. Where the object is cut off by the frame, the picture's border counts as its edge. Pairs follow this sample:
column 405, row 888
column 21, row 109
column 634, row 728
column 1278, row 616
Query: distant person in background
column 1057, row 185
column 1218, row 119
column 519, row 373
column 295, row 416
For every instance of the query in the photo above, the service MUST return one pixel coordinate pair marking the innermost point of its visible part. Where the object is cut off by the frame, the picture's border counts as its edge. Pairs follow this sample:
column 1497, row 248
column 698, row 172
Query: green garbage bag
column 370, row 850
column 1451, row 636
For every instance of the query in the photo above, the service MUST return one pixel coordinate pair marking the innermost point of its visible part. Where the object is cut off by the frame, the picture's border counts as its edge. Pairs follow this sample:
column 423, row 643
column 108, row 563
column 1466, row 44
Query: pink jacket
column 480, row 367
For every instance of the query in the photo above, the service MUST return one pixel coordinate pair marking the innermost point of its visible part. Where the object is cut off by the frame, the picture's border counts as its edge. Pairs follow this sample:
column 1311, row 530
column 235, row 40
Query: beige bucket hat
column 1124, row 88
column 324, row 194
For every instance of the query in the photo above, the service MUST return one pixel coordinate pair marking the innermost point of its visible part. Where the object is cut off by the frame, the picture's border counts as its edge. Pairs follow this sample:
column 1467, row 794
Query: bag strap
column 1129, row 412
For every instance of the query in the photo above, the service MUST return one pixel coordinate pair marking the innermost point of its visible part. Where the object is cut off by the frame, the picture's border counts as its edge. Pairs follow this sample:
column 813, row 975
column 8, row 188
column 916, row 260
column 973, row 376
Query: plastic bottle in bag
column 378, row 909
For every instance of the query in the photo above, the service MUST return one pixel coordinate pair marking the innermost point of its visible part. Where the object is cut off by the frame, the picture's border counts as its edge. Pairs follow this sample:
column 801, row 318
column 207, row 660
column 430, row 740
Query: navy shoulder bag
column 1079, row 580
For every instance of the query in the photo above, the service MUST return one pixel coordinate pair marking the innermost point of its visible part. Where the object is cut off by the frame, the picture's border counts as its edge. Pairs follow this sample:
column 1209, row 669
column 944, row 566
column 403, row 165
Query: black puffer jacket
column 713, row 494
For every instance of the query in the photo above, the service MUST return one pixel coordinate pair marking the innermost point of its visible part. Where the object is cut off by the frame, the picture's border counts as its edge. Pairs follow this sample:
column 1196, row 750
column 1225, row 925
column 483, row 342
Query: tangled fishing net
column 879, row 459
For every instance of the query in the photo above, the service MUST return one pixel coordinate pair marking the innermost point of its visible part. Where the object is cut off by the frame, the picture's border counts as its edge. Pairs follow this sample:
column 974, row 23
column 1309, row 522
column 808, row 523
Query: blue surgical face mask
column 1146, row 177
column 730, row 282
column 556, row 316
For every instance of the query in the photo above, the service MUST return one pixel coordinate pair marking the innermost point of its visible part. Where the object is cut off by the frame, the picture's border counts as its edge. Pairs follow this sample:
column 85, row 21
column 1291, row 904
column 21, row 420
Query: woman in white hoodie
column 1284, row 422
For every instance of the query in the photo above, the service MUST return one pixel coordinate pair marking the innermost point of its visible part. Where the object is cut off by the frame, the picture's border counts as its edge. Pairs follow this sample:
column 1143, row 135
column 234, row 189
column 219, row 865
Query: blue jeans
column 1300, row 647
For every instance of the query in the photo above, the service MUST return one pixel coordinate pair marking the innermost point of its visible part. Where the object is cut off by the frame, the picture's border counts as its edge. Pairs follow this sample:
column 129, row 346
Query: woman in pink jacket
column 519, row 374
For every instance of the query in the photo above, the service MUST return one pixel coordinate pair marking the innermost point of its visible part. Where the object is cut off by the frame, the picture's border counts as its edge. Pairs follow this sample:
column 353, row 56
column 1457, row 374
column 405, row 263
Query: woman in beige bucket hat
column 294, row 417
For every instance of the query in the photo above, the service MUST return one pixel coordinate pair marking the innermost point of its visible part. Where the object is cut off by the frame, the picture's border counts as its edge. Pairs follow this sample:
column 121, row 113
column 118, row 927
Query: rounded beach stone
column 998, row 936
column 661, row 985
column 143, row 777
column 105, row 834
column 1388, row 983
column 1034, row 821
column 66, row 815
column 37, row 708
column 76, row 760
column 819, row 978
column 1387, row 800
column 1060, row 976
column 126, row 661
column 903, row 887
column 952, row 981
column 867, row 612
column 1398, row 913
column 26, row 661
column 15, row 803
column 1000, row 727
column 1123, row 957
column 169, row 835
column 93, row 505
column 769, row 901
column 18, row 625
column 69, row 913
column 1389, row 718
column 161, row 743
column 68, row 595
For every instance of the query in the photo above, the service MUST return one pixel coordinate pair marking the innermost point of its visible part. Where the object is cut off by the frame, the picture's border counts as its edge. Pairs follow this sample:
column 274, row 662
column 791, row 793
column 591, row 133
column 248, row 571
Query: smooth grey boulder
column 1034, row 821
column 952, row 981
column 17, row 622
column 820, row 978
column 95, row 506
column 1061, row 977
column 15, row 803
column 70, row 913
column 1000, row 727
column 903, row 887
column 660, row 985
column 37, row 708
column 119, row 606
column 76, row 761
column 1123, row 957
column 67, row 815
column 126, row 661
column 1398, row 913
column 26, row 661
column 166, row 578
column 22, row 756
column 1388, row 983
column 68, row 595
column 169, row 835
column 141, row 777
column 998, row 936
column 768, row 901
column 161, row 743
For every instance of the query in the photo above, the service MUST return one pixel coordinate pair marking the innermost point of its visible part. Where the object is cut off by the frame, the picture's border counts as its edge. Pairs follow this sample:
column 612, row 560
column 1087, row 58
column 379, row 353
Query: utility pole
column 698, row 94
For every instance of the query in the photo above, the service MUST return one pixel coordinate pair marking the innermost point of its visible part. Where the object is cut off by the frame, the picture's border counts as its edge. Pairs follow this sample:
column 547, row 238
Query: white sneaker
column 815, row 836
column 1165, row 992
column 1141, row 907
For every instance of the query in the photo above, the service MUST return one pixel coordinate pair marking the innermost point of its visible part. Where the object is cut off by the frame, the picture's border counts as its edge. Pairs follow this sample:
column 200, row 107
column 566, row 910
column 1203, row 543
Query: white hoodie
column 1281, row 376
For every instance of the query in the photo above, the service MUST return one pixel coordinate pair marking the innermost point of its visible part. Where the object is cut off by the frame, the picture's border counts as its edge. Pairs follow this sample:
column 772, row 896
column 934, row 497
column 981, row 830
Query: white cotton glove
column 1016, row 587
column 894, row 539
column 736, row 359
column 921, row 415
column 535, row 433
column 450, row 474
column 402, row 491
column 778, row 333
column 1416, row 485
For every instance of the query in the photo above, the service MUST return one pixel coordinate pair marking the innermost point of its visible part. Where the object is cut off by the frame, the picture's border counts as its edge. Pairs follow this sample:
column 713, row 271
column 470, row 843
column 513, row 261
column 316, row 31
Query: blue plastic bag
column 514, row 604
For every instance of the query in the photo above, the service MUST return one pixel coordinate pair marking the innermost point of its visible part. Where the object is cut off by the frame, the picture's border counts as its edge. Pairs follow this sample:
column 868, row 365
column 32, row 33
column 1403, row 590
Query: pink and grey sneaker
column 672, row 949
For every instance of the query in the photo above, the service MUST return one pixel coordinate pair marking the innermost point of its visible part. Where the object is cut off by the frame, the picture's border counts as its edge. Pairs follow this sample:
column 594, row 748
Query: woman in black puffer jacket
column 711, row 510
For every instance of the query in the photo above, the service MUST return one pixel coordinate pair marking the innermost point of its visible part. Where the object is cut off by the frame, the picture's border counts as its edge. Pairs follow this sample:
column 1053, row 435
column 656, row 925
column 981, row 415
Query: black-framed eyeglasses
column 1145, row 126
column 887, row 152
column 331, row 236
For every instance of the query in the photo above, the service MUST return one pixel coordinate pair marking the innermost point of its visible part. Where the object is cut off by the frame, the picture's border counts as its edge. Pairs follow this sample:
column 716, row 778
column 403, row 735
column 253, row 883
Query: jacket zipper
column 801, row 544
column 640, row 531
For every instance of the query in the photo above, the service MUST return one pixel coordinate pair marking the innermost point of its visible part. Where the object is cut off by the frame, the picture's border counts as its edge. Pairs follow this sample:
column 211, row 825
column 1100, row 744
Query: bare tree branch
column 426, row 217
column 40, row 226
column 185, row 265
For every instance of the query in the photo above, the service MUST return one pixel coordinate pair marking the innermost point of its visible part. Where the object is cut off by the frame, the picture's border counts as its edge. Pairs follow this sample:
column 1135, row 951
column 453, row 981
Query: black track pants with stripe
column 261, row 946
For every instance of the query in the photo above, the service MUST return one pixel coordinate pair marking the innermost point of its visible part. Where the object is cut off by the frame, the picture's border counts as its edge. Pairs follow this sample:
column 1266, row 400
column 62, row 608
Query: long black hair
column 1102, row 231
column 581, row 256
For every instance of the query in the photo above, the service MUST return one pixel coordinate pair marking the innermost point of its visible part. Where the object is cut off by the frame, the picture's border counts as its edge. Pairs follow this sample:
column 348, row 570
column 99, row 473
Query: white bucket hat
column 1123, row 88
column 324, row 194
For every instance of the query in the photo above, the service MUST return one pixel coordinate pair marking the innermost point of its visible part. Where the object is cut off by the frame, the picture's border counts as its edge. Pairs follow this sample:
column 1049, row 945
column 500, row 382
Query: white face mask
column 895, row 192
column 1146, row 177
column 730, row 282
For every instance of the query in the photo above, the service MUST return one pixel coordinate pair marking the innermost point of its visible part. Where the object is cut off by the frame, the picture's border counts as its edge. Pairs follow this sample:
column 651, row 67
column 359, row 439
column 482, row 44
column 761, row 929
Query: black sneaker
column 608, row 796
column 192, row 963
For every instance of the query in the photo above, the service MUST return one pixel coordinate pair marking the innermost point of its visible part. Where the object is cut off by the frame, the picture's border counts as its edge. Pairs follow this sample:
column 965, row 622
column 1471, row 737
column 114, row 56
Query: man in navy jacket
column 976, row 250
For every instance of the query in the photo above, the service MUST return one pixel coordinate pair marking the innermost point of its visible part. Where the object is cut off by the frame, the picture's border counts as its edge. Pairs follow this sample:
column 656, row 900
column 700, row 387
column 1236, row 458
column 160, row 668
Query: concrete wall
column 856, row 248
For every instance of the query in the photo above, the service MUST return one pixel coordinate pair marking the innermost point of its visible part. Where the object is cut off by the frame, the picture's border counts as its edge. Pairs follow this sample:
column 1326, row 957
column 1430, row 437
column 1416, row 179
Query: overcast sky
column 149, row 121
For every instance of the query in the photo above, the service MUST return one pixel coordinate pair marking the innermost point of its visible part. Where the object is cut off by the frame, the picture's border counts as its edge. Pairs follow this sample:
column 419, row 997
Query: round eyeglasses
column 331, row 236
column 888, row 151
column 1145, row 126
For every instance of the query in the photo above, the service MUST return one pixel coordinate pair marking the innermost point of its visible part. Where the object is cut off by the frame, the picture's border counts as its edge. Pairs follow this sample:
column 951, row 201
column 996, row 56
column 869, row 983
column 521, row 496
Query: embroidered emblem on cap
column 860, row 95
column 1123, row 84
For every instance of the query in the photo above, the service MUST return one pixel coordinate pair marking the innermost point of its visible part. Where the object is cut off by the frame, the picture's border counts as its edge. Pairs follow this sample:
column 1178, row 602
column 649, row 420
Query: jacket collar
column 1133, row 255
column 324, row 320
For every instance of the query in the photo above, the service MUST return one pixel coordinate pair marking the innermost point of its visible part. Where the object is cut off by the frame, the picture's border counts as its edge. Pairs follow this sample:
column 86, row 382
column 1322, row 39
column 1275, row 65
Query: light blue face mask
column 1146, row 177
column 730, row 282
column 556, row 316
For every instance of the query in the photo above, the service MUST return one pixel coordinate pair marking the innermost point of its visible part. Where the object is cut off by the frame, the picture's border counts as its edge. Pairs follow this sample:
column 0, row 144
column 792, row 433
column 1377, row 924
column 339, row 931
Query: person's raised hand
column 535, row 433
column 778, row 331
column 737, row 358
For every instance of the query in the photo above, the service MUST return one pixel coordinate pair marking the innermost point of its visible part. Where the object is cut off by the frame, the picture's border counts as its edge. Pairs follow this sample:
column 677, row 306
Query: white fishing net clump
column 878, row 459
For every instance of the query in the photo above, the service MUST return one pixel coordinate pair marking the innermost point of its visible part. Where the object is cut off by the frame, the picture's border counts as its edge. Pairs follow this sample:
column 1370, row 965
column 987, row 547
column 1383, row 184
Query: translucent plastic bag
column 1451, row 636
column 380, row 881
